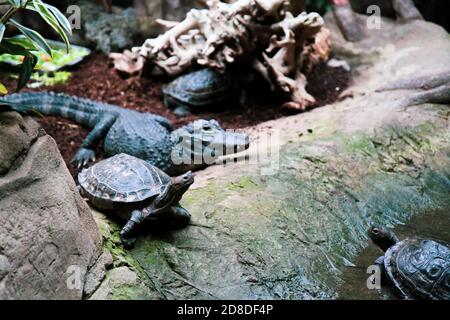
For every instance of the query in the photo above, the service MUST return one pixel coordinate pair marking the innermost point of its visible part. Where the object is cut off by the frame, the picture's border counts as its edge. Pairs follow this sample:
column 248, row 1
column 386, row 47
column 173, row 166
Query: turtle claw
column 83, row 157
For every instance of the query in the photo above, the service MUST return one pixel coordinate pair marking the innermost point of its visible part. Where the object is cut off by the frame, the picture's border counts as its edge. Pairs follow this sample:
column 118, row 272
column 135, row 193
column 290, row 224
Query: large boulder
column 117, row 30
column 149, row 11
column 286, row 225
column 106, row 31
column 48, row 238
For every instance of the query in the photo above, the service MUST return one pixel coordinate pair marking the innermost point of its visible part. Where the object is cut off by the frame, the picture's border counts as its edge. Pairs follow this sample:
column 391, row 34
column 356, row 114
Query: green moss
column 294, row 230
column 203, row 196
column 361, row 143
column 245, row 184
column 128, row 292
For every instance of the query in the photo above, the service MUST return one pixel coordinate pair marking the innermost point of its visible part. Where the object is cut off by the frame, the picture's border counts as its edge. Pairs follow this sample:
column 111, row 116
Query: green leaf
column 22, row 41
column 33, row 36
column 3, row 89
column 27, row 70
column 2, row 31
column 10, row 48
column 51, row 20
column 63, row 22
column 28, row 64
column 15, row 3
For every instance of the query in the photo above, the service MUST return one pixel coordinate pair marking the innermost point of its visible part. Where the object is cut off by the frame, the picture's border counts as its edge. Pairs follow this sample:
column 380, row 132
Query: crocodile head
column 198, row 145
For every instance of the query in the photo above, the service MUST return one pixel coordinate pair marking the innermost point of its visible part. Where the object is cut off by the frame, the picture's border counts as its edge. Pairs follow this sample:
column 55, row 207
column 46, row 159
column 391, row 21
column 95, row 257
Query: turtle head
column 174, row 191
column 382, row 237
column 201, row 142
column 181, row 183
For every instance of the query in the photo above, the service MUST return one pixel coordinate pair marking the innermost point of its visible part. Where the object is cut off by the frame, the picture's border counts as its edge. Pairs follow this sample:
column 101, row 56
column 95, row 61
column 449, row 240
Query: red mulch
column 96, row 80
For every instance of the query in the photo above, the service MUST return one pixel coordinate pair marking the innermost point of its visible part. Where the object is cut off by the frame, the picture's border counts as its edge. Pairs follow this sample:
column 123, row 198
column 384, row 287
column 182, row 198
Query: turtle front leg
column 179, row 108
column 380, row 264
column 128, row 231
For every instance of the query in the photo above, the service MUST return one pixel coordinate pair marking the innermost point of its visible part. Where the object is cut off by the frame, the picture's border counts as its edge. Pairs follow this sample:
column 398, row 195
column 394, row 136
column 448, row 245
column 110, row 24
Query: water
column 433, row 224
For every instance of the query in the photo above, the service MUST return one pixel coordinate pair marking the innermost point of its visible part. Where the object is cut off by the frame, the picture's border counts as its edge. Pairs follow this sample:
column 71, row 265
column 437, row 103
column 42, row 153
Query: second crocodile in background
column 144, row 135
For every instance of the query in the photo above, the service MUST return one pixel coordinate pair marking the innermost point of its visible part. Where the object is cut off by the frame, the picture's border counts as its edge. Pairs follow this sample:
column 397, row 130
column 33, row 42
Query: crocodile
column 144, row 135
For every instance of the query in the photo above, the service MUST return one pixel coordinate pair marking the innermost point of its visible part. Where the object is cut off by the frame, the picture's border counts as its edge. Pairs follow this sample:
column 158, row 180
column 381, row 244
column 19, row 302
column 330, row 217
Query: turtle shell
column 122, row 179
column 202, row 87
column 419, row 268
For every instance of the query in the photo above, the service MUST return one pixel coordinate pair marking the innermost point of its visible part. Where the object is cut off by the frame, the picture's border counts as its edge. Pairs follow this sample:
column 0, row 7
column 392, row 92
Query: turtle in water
column 202, row 88
column 136, row 191
column 417, row 268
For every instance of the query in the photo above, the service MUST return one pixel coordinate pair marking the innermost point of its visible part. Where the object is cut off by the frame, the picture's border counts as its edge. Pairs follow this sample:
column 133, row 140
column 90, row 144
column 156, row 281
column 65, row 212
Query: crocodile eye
column 208, row 129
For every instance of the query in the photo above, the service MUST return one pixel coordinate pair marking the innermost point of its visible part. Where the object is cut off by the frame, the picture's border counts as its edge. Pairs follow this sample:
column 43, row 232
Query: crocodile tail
column 48, row 103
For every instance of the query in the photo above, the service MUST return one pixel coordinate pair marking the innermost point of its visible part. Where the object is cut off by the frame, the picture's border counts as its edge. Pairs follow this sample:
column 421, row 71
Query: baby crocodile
column 144, row 135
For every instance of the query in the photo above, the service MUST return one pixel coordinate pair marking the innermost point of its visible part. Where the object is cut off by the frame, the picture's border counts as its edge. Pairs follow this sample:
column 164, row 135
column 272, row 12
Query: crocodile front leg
column 86, row 152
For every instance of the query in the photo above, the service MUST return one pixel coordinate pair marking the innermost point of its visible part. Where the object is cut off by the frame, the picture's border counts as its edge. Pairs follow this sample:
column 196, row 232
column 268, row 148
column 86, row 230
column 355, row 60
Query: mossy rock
column 288, row 233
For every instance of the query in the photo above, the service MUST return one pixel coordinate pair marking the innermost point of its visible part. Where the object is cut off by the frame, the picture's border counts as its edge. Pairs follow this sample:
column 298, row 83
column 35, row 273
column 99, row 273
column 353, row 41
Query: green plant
column 32, row 40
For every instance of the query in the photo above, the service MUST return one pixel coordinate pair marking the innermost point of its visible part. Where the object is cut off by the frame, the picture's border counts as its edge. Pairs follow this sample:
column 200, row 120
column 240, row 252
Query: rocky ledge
column 285, row 226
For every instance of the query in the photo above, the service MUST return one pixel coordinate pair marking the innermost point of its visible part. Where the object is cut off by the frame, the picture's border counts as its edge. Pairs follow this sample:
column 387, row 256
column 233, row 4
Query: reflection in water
column 434, row 225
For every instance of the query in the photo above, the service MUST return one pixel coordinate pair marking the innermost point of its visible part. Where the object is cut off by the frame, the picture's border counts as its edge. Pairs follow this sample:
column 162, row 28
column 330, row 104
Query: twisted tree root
column 440, row 95
column 424, row 82
column 435, row 89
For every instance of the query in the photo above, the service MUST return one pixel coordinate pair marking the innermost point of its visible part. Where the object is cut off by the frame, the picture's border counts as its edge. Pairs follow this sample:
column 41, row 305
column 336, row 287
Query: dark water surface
column 434, row 224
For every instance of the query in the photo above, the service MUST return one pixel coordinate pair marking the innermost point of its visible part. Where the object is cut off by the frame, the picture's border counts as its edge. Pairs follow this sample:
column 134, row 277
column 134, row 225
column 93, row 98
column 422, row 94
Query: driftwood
column 263, row 33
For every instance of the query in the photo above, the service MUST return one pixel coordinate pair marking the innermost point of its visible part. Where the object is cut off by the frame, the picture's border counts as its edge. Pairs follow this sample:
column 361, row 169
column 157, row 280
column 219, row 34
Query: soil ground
column 96, row 80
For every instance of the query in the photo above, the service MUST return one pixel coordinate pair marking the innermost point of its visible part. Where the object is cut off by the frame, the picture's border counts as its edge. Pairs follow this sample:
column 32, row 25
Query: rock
column 105, row 31
column 5, row 267
column 121, row 283
column 113, row 32
column 285, row 225
column 117, row 277
column 97, row 273
column 150, row 10
column 176, row 9
column 46, row 229
column 12, row 126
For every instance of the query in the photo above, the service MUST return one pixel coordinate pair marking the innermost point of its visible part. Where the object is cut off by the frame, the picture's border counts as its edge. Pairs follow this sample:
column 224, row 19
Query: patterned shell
column 419, row 268
column 123, row 178
column 201, row 87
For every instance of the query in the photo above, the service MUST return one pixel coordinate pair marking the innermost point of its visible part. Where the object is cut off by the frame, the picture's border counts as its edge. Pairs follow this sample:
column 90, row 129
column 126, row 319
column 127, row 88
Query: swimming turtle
column 198, row 89
column 417, row 268
column 136, row 191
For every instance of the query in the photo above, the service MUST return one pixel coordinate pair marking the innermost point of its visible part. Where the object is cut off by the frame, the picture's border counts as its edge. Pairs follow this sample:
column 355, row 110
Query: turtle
column 135, row 191
column 417, row 268
column 199, row 89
